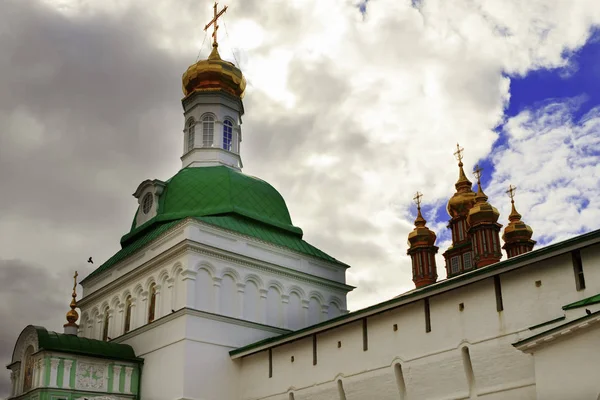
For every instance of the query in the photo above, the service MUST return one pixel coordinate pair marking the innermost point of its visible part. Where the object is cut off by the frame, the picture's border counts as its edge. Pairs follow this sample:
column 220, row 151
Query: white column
column 116, row 378
column 128, row 372
column 304, row 313
column 324, row 312
column 119, row 325
column 217, row 285
column 188, row 277
column 240, row 290
column 133, row 319
column 67, row 373
column 158, row 303
column 54, row 371
column 262, row 306
column 42, row 369
column 171, row 289
column 111, row 323
column 285, row 300
column 143, row 310
column 99, row 327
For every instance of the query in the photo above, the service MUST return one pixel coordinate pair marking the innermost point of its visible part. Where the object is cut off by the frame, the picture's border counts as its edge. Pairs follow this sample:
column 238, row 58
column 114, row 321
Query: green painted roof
column 203, row 191
column 53, row 341
column 582, row 303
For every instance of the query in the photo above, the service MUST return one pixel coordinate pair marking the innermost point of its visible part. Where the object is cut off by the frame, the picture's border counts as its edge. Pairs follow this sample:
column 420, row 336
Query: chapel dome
column 482, row 211
column 214, row 74
column 516, row 230
column 217, row 191
column 421, row 235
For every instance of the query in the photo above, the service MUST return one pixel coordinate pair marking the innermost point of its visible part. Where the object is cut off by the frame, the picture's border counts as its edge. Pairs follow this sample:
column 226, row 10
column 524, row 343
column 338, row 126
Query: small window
column 227, row 134
column 208, row 130
column 152, row 305
column 105, row 328
column 147, row 203
column 454, row 265
column 467, row 260
column 128, row 307
column 191, row 133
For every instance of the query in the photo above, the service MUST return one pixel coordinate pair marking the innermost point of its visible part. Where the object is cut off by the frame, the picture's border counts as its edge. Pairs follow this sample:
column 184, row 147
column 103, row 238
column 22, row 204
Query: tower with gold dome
column 517, row 235
column 459, row 256
column 422, row 250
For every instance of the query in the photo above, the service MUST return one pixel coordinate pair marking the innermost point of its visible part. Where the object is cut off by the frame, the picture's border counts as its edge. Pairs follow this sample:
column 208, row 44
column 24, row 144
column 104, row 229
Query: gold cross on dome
column 511, row 192
column 477, row 172
column 458, row 153
column 213, row 22
column 417, row 199
column 75, row 281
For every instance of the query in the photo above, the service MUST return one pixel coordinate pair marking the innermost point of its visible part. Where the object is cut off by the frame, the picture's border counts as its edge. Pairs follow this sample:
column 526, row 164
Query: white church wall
column 461, row 319
column 568, row 368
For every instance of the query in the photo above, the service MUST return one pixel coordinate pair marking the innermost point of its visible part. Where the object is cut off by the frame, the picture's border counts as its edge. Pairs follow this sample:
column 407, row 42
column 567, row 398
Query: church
column 215, row 295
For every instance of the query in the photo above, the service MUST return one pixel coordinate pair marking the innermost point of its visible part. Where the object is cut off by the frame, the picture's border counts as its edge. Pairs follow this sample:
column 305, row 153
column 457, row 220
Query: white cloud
column 349, row 116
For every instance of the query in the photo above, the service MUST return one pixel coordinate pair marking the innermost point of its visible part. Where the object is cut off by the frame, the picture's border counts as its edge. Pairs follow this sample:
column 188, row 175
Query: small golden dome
column 72, row 314
column 214, row 74
column 421, row 235
column 516, row 230
column 482, row 211
column 464, row 198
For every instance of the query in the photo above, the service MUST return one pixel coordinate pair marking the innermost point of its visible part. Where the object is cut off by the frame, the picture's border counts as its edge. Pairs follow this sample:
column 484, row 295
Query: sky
column 350, row 109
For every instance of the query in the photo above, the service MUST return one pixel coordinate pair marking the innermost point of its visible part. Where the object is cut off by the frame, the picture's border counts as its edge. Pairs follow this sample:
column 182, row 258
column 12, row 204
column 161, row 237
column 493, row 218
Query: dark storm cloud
column 29, row 294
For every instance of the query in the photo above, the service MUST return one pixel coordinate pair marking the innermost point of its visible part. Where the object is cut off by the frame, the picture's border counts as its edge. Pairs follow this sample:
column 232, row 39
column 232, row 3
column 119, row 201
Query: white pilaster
column 324, row 312
column 133, row 322
column 217, row 285
column 66, row 383
column 54, row 372
column 143, row 311
column 119, row 324
column 158, row 303
column 240, row 290
column 285, row 300
column 42, row 369
column 116, row 378
column 188, row 277
column 262, row 307
column 128, row 373
column 171, row 299
column 304, row 313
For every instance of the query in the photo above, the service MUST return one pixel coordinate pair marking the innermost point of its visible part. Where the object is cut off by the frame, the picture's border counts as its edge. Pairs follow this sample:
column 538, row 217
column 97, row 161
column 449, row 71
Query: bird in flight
column 90, row 260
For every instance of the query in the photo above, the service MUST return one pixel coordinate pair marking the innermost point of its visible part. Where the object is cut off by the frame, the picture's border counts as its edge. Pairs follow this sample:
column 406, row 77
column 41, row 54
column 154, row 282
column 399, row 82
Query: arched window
column 191, row 135
column 227, row 134
column 28, row 377
column 105, row 327
column 128, row 307
column 152, row 304
column 208, row 130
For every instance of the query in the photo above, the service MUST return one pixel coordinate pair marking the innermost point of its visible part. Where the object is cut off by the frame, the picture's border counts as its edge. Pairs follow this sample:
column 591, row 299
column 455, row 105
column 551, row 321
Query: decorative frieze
column 91, row 376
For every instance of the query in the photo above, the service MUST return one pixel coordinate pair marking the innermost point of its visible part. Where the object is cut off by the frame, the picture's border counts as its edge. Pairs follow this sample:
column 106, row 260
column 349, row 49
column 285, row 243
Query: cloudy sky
column 350, row 109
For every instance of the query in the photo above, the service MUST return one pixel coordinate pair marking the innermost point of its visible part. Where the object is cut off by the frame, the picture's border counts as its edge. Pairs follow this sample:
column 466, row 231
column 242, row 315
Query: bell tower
column 422, row 250
column 213, row 90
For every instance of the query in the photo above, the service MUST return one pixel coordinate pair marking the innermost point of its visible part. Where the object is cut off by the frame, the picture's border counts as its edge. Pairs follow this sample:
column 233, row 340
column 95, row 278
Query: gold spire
column 419, row 221
column 462, row 181
column 72, row 315
column 514, row 215
column 480, row 197
column 213, row 22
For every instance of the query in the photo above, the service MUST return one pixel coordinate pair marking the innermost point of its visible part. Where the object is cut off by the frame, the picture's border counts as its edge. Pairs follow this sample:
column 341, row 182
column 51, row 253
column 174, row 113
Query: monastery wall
column 467, row 353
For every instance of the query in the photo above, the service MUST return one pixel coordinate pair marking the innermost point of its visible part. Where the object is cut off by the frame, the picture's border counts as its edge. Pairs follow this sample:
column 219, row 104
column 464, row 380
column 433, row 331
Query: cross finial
column 477, row 172
column 75, row 281
column 417, row 199
column 213, row 22
column 511, row 192
column 458, row 153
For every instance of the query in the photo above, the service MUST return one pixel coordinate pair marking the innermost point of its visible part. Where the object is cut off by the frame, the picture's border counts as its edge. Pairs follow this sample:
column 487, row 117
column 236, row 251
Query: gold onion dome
column 464, row 198
column 516, row 229
column 421, row 235
column 72, row 314
column 214, row 74
column 482, row 211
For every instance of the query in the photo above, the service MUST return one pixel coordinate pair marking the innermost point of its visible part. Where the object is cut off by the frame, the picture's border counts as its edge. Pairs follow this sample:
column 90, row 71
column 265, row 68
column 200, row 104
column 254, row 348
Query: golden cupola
column 464, row 198
column 482, row 211
column 421, row 235
column 517, row 235
column 71, row 326
column 214, row 73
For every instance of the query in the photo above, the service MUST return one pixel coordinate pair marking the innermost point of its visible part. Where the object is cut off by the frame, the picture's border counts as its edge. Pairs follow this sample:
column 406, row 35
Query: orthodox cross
column 75, row 281
column 213, row 22
column 511, row 193
column 477, row 172
column 417, row 199
column 458, row 153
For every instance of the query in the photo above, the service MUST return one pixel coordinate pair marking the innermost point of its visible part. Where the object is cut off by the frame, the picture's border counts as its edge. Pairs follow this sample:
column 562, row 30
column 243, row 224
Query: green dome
column 206, row 191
